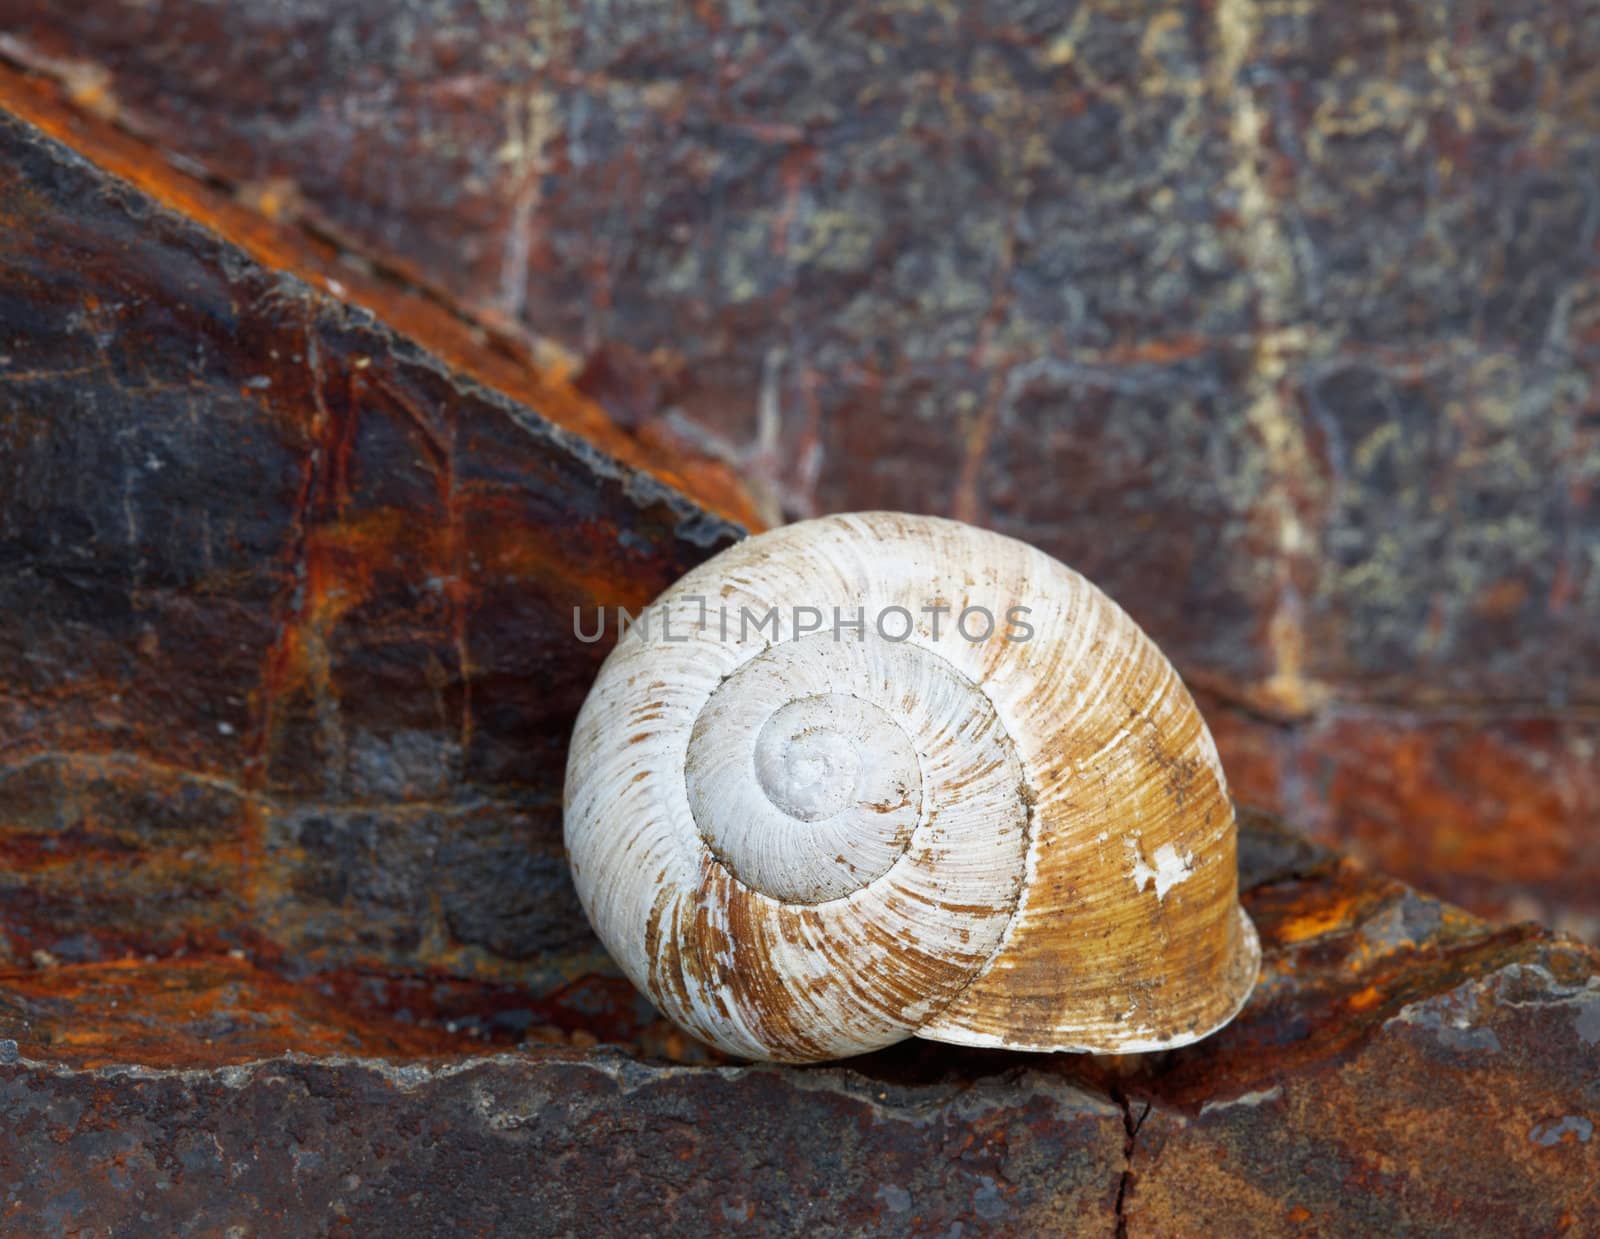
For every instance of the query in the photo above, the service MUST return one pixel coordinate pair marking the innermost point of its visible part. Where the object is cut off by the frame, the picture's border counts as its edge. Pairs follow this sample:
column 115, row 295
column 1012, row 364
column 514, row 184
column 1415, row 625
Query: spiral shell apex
column 876, row 776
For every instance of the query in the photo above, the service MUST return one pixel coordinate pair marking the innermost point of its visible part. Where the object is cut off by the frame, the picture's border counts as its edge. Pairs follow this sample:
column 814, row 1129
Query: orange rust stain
column 1447, row 805
column 503, row 546
column 1315, row 922
column 1502, row 600
column 194, row 1012
column 343, row 561
column 276, row 197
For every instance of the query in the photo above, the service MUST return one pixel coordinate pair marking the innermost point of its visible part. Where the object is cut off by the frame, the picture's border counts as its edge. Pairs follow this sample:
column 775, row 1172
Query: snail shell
column 804, row 843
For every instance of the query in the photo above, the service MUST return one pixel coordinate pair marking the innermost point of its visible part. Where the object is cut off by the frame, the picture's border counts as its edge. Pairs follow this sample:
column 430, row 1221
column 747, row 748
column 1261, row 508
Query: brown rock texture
column 287, row 559
column 1278, row 321
column 287, row 664
column 1403, row 1069
column 1507, row 802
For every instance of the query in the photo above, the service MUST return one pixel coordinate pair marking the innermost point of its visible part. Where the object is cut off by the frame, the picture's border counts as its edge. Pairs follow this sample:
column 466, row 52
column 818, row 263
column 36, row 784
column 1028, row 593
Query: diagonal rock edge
column 694, row 522
column 423, row 327
column 1497, row 961
column 169, row 312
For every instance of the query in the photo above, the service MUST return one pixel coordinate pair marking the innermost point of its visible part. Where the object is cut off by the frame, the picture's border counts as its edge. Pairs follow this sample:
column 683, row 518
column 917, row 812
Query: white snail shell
column 803, row 847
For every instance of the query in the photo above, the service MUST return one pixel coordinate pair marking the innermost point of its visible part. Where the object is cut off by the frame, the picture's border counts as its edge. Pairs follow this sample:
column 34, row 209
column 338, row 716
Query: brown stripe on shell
column 1108, row 916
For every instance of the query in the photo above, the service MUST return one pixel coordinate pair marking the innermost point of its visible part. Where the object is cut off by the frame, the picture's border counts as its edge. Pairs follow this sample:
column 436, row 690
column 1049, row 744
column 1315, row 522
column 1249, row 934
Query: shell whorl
column 808, row 844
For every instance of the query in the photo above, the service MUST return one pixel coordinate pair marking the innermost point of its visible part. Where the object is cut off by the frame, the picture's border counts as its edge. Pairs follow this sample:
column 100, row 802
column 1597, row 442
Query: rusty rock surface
column 274, row 902
column 550, row 1144
column 1491, row 809
column 1279, row 321
column 1317, row 278
column 1403, row 1069
column 287, row 663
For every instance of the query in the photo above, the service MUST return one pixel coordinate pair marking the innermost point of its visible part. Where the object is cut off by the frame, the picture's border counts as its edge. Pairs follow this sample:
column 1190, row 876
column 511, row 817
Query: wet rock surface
column 285, row 943
column 1277, row 320
column 1403, row 1069
column 287, row 662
